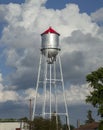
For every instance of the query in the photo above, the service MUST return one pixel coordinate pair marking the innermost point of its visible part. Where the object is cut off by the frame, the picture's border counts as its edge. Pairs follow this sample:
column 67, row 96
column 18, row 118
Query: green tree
column 55, row 123
column 101, row 126
column 40, row 123
column 89, row 117
column 72, row 127
column 25, row 119
column 95, row 80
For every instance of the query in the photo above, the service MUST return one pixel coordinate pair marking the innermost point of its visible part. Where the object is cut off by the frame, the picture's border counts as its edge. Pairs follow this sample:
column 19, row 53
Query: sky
column 80, row 24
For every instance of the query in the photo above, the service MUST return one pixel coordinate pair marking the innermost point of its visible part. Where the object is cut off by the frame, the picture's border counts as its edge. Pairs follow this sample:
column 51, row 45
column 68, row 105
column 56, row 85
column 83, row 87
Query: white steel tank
column 50, row 43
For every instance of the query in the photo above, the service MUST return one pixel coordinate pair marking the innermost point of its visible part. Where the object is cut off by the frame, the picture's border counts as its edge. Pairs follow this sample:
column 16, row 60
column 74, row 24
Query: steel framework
column 50, row 87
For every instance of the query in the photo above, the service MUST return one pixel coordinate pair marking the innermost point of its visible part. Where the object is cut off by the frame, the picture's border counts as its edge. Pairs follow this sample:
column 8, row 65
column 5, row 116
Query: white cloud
column 30, row 93
column 98, row 15
column 12, row 57
column 1, row 79
column 7, row 95
column 77, row 94
column 80, row 40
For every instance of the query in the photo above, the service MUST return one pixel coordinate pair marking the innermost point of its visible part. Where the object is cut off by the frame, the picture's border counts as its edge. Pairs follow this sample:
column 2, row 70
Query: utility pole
column 30, row 112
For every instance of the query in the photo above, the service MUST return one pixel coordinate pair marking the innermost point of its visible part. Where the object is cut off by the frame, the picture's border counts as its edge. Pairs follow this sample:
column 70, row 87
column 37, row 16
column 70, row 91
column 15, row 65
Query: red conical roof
column 50, row 30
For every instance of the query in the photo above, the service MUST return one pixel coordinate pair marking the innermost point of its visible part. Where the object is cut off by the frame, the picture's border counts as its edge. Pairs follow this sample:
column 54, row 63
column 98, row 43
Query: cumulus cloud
column 81, row 45
column 98, row 16
column 82, row 54
column 6, row 95
column 77, row 94
column 1, row 79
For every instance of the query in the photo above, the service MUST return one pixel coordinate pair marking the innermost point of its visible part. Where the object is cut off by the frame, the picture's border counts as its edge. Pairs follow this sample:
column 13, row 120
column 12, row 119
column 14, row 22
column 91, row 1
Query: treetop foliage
column 95, row 80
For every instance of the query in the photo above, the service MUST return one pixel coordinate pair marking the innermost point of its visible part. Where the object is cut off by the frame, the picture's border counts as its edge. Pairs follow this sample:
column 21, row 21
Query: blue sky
column 80, row 24
column 11, row 1
column 84, row 5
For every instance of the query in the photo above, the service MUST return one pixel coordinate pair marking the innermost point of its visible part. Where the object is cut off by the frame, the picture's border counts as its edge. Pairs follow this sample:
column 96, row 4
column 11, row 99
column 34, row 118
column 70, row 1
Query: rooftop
column 50, row 30
column 90, row 126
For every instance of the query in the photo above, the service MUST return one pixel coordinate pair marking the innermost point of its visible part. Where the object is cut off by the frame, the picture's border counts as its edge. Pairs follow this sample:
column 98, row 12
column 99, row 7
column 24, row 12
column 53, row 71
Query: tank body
column 50, row 43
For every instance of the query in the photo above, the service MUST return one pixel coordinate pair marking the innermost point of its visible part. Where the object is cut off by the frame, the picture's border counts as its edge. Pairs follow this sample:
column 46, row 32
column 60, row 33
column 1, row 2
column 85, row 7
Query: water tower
column 50, row 90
